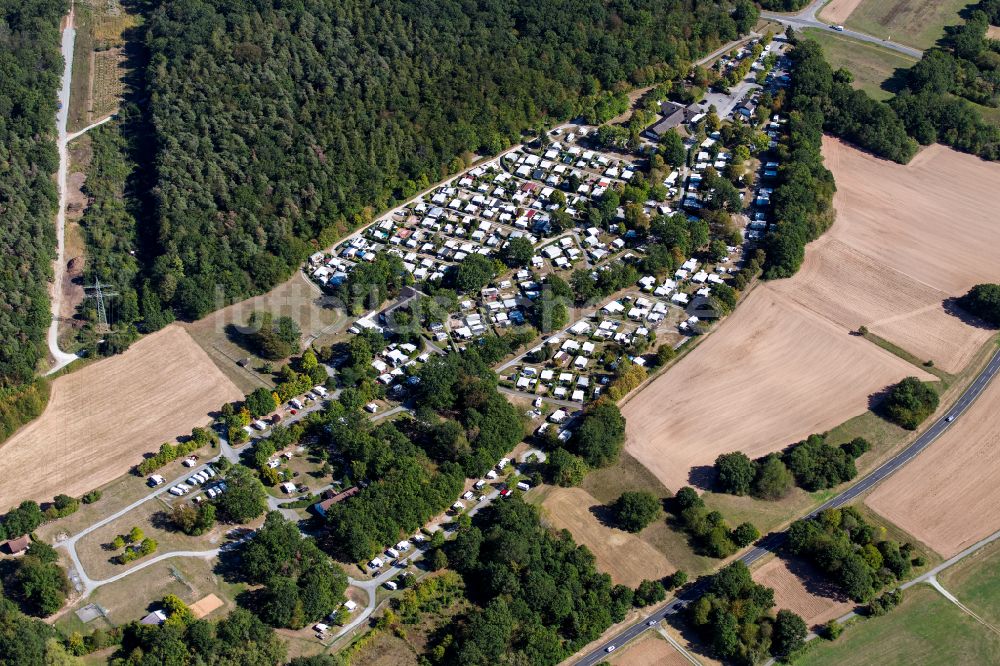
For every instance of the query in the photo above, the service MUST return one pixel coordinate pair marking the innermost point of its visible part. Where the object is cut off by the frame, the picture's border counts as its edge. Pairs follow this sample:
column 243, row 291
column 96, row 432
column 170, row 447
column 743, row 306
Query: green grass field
column 925, row 629
column 873, row 67
column 976, row 582
column 918, row 23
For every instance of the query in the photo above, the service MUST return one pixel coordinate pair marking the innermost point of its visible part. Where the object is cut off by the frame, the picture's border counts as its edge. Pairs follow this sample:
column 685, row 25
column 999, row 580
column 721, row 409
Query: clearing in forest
column 625, row 556
column 801, row 588
column 101, row 419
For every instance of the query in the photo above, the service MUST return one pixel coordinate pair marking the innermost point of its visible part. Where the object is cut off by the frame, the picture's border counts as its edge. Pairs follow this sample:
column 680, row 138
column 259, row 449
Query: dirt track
column 802, row 590
column 102, row 418
column 626, row 557
column 906, row 241
column 948, row 496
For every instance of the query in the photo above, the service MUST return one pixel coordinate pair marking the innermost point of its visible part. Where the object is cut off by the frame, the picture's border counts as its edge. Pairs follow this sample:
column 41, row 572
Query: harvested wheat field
column 627, row 558
column 837, row 11
column 907, row 240
column 934, row 219
column 101, row 419
column 649, row 650
column 947, row 497
column 851, row 289
column 800, row 588
column 771, row 375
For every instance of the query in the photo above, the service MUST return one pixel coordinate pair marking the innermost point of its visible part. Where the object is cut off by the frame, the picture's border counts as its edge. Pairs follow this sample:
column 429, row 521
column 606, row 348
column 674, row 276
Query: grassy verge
column 875, row 69
column 892, row 348
column 925, row 629
column 976, row 582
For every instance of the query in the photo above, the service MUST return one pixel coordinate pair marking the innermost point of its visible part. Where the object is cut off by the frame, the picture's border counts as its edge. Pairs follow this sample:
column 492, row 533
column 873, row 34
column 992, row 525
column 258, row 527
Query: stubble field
column 626, row 557
column 947, row 496
column 101, row 419
column 837, row 11
column 650, row 650
column 907, row 240
column 799, row 587
column 770, row 376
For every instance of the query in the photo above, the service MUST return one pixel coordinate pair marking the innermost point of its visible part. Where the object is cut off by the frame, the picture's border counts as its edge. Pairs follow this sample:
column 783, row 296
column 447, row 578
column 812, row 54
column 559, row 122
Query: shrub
column 735, row 473
column 983, row 300
column 910, row 402
column 649, row 592
column 634, row 510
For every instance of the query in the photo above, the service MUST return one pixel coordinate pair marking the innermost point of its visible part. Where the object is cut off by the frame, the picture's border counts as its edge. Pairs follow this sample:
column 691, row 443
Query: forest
column 540, row 597
column 943, row 89
column 31, row 66
column 803, row 197
column 279, row 123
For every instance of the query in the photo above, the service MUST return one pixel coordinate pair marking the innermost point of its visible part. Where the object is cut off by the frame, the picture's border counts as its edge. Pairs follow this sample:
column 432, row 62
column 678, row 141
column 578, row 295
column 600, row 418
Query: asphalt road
column 807, row 19
column 773, row 541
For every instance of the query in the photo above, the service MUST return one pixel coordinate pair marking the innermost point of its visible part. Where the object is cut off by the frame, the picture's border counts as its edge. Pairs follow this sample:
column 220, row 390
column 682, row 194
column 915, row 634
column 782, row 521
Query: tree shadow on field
column 897, row 81
column 876, row 399
column 952, row 307
column 605, row 515
column 161, row 520
column 702, row 477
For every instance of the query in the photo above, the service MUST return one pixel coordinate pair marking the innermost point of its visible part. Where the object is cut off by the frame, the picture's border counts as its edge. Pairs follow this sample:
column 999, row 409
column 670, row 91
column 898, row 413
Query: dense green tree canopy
column 31, row 67
column 635, row 509
column 910, row 402
column 282, row 122
column 983, row 300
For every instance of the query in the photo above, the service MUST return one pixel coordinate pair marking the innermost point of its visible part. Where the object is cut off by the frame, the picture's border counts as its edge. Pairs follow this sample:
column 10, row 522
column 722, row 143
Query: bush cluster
column 709, row 528
column 169, row 452
column 848, row 549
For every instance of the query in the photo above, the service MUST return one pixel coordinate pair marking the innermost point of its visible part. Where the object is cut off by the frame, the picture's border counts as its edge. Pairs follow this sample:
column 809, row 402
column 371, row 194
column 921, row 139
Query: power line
column 99, row 292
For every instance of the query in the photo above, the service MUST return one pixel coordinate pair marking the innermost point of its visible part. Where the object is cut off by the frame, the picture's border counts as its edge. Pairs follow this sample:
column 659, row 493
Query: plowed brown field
column 948, row 496
column 101, row 419
column 907, row 240
column 770, row 376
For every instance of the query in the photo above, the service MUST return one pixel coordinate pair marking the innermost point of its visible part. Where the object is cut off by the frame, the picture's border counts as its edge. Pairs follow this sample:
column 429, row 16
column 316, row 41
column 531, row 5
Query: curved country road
column 773, row 541
column 807, row 19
